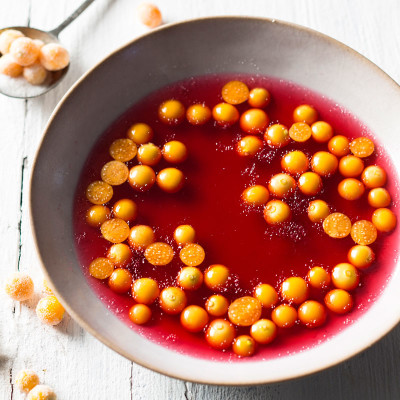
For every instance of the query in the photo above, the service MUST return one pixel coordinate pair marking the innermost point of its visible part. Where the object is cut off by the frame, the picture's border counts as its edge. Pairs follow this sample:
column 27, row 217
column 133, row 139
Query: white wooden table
column 68, row 358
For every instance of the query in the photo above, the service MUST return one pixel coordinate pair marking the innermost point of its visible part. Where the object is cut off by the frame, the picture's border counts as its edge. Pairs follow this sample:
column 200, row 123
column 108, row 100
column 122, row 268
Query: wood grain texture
column 68, row 358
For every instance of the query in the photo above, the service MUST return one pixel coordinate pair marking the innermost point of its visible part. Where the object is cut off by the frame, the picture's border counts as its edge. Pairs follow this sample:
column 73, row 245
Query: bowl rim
column 76, row 315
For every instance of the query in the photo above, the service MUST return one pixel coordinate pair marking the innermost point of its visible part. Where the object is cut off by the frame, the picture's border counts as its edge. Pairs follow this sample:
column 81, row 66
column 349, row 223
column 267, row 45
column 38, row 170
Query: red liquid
column 231, row 233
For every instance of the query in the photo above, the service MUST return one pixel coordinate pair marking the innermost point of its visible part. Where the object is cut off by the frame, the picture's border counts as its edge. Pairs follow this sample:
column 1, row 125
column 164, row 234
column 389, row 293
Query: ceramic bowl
column 166, row 55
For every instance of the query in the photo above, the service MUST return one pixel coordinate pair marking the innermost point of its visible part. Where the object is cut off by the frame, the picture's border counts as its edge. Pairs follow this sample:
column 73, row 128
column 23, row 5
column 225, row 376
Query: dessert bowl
column 232, row 45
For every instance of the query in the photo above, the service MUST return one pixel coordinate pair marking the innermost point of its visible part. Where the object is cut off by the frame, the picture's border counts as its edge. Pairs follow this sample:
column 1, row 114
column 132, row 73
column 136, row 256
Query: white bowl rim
column 362, row 345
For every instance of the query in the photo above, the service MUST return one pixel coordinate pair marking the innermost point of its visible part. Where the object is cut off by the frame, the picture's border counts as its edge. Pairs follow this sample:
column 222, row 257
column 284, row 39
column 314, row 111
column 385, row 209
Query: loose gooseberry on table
column 19, row 286
column 41, row 392
column 26, row 380
column 149, row 15
column 49, row 310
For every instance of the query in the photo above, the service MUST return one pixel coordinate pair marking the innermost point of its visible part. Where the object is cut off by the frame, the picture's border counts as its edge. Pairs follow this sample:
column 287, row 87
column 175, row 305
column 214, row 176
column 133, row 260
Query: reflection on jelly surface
column 230, row 232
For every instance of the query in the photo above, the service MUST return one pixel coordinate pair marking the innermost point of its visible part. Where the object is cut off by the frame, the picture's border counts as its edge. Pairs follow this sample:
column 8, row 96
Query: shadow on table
column 373, row 374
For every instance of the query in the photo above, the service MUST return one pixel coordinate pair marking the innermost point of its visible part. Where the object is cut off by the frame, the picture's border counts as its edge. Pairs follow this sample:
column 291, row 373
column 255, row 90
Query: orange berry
column 310, row 183
column 115, row 230
column 101, row 268
column 244, row 311
column 361, row 256
column 324, row 163
column 276, row 212
column 339, row 301
column 277, row 136
column 362, row 147
column 220, row 334
column 123, row 150
column 24, row 51
column 263, row 331
column 19, row 286
column 174, row 152
column 305, row 113
column 114, row 173
column 149, row 154
column 318, row 278
column 351, row 189
column 244, row 346
column 190, row 278
column 140, row 133
column 194, row 318
column 345, row 276
column 339, row 146
column 26, row 380
column 7, row 37
column 321, row 131
column 384, row 220
column 171, row 180
column 294, row 290
column 54, row 57
column 225, row 114
column 120, row 280
column 216, row 276
column 99, row 192
column 282, row 185
column 312, row 314
column 141, row 177
column 9, row 67
column 172, row 300
column 140, row 314
column 192, row 254
column 50, row 311
column 97, row 214
column 217, row 305
column 235, row 92
column 41, row 392
column 254, row 120
column 351, row 166
column 337, row 225
column 149, row 15
column 284, row 316
column 125, row 209
column 363, row 232
column 266, row 295
column 318, row 210
column 35, row 74
column 140, row 237
column 159, row 253
column 120, row 254
column 249, row 146
column 300, row 132
column 256, row 195
column 145, row 290
column 198, row 114
column 374, row 177
column 259, row 98
column 171, row 112
column 184, row 234
column 295, row 162
column 379, row 197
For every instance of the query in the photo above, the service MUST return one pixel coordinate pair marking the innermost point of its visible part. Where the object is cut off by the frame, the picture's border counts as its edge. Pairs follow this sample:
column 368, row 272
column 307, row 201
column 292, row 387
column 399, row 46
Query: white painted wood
column 66, row 357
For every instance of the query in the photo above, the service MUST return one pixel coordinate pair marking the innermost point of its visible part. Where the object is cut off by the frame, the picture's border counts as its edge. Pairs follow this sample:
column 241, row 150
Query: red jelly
column 233, row 233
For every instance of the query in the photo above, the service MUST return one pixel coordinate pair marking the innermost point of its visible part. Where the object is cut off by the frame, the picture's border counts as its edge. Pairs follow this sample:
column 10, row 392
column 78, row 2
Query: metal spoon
column 18, row 87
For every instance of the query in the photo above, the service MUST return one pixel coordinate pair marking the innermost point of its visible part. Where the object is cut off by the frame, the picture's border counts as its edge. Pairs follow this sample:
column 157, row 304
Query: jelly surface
column 230, row 232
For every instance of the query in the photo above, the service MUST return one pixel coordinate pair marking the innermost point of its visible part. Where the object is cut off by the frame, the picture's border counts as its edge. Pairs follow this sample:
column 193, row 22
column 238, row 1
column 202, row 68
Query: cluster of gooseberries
column 27, row 381
column 31, row 58
column 287, row 305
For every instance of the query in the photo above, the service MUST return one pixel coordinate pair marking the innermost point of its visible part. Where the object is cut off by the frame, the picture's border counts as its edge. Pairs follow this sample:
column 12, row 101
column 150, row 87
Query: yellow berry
column 123, row 150
column 244, row 346
column 305, row 113
column 259, row 97
column 140, row 237
column 351, row 189
column 379, row 197
column 125, row 209
column 190, row 278
column 54, row 57
column 374, row 177
column 266, row 294
column 284, row 316
column 7, row 37
column 101, row 268
column 276, row 212
column 184, row 234
column 351, row 166
column 249, row 146
column 171, row 112
column 321, row 131
column 254, row 120
column 140, row 133
column 217, row 305
column 244, row 311
column 141, row 177
column 145, row 290
column 310, row 183
column 225, row 114
column 114, row 173
column 295, row 162
column 174, row 152
column 220, row 334
column 120, row 254
column 97, row 214
column 318, row 210
column 49, row 310
column 364, row 232
column 339, row 146
column 26, row 380
column 159, row 253
column 25, row 52
column 19, row 286
column 294, row 290
column 361, row 256
column 318, row 278
column 216, row 276
column 300, row 132
column 339, row 301
column 384, row 220
column 263, row 331
column 198, row 114
column 99, row 192
column 194, row 318
column 192, row 254
column 140, row 314
column 256, row 195
column 172, row 300
column 312, row 313
column 345, row 276
column 282, row 185
column 41, row 392
column 171, row 180
column 149, row 15
column 324, row 163
column 277, row 136
column 115, row 230
column 9, row 67
column 337, row 225
column 235, row 92
column 362, row 147
column 120, row 280
column 149, row 154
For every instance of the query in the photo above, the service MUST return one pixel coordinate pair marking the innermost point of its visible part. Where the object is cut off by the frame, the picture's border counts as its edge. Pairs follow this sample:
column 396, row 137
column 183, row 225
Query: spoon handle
column 56, row 31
